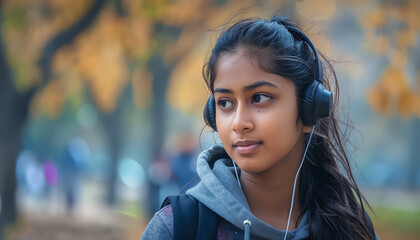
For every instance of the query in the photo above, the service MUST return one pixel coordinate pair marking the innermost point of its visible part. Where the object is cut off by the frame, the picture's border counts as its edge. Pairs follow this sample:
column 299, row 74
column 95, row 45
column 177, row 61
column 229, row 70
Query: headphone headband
column 319, row 73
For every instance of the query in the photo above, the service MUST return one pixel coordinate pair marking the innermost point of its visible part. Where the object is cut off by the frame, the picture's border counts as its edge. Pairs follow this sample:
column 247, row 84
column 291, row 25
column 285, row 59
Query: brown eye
column 260, row 98
column 224, row 104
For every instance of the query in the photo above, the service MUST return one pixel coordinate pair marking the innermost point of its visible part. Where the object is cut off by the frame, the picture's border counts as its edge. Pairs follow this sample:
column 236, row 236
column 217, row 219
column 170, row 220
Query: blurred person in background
column 183, row 163
column 74, row 155
column 69, row 179
column 159, row 176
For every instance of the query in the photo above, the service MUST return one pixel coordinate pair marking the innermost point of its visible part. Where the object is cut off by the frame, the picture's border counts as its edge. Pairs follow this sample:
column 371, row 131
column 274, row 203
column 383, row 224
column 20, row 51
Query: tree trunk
column 14, row 110
column 66, row 37
column 112, row 123
column 10, row 145
column 161, row 75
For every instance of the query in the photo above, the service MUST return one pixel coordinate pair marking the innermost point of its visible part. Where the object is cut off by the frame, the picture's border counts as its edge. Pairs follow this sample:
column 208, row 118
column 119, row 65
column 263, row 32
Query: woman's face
column 256, row 115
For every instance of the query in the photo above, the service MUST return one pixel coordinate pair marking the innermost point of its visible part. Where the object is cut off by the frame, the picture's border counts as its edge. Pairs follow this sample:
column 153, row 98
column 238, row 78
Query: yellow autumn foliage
column 101, row 62
column 50, row 100
column 107, row 77
column 63, row 59
column 392, row 94
column 378, row 44
column 406, row 38
column 409, row 103
column 27, row 28
column 190, row 12
column 187, row 91
column 100, row 55
column 64, row 13
column 375, row 19
column 316, row 10
column 394, row 80
column 66, row 83
column 136, row 36
column 378, row 99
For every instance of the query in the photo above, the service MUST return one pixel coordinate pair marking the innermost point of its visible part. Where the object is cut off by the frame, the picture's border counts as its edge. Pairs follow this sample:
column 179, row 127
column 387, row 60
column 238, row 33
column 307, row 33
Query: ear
column 307, row 129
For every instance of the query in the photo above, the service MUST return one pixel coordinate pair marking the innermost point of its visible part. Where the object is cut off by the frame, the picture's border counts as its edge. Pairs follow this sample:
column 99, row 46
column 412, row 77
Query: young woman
column 282, row 172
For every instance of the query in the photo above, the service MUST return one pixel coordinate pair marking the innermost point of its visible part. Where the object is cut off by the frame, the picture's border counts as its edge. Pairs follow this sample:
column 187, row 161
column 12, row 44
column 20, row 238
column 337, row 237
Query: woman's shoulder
column 166, row 214
column 161, row 226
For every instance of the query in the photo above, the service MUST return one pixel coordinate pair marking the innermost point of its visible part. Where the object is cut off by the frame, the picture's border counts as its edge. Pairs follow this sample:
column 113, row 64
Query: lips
column 246, row 146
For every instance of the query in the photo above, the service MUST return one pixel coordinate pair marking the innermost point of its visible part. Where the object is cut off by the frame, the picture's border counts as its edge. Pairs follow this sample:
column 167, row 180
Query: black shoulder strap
column 192, row 219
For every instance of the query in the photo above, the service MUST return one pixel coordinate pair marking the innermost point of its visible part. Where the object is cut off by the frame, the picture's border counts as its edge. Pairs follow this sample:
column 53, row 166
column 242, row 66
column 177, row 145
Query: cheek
column 223, row 128
column 279, row 118
column 280, row 125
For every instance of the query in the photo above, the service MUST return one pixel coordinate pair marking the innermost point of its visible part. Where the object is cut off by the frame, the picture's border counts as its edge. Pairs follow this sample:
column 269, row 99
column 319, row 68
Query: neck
column 270, row 200
column 269, row 193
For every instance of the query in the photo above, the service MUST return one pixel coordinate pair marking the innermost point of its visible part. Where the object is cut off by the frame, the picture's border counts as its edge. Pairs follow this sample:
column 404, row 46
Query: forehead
column 238, row 69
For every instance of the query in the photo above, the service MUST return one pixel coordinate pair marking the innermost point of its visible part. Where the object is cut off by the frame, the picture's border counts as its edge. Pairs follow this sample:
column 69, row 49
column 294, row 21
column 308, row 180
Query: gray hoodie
column 219, row 190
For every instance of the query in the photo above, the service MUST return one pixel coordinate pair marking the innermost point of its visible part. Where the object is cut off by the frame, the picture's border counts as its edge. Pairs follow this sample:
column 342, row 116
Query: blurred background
column 101, row 106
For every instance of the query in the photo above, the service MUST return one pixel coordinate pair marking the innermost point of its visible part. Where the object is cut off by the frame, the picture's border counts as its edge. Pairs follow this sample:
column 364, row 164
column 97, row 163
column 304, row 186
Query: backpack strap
column 192, row 219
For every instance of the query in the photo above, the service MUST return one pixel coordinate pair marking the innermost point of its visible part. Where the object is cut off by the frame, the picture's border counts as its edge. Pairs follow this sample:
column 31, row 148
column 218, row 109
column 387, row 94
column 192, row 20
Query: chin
column 250, row 167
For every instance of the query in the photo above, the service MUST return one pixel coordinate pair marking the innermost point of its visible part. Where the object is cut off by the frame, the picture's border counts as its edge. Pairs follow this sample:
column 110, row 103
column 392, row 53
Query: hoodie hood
column 219, row 190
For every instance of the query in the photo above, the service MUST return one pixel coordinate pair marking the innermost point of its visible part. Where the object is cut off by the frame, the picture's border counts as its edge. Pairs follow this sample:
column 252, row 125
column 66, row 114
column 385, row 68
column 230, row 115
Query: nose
column 242, row 121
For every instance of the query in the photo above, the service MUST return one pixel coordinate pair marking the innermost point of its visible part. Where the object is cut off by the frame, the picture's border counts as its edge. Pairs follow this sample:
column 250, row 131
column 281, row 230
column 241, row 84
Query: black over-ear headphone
column 316, row 100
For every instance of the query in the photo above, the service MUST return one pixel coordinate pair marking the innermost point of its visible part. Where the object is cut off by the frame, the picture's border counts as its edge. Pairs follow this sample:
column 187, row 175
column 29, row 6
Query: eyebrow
column 247, row 88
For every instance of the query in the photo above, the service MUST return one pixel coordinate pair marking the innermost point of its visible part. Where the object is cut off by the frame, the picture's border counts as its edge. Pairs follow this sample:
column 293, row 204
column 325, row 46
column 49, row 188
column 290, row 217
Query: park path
column 108, row 226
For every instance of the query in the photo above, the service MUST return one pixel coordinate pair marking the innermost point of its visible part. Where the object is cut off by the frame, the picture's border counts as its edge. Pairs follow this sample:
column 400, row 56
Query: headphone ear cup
column 209, row 113
column 316, row 103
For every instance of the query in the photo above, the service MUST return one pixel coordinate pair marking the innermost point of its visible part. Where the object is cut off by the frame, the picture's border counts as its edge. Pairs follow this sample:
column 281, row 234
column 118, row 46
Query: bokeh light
column 131, row 173
column 79, row 151
column 30, row 174
column 50, row 173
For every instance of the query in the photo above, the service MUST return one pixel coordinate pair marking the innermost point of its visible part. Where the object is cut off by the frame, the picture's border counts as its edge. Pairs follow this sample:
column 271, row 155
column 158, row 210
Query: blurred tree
column 48, row 56
column 22, row 77
column 391, row 31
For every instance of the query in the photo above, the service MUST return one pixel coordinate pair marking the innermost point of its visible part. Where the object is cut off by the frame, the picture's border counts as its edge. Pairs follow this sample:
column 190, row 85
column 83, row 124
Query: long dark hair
column 328, row 191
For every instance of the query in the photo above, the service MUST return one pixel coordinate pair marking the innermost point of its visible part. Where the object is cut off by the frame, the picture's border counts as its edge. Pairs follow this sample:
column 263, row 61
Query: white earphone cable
column 294, row 185
column 236, row 172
